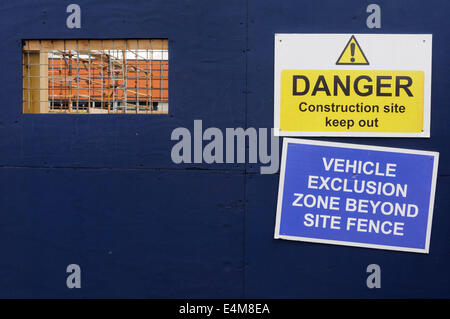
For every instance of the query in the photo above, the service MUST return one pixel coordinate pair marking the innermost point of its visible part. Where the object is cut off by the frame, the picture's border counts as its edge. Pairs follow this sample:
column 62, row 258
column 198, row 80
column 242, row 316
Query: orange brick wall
column 150, row 82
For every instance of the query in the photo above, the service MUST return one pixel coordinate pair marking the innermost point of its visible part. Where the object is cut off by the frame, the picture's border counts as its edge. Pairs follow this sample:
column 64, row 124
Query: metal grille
column 96, row 76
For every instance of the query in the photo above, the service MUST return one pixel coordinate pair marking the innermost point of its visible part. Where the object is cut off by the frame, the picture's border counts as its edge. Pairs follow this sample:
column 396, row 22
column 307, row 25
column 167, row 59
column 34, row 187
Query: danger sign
column 352, row 85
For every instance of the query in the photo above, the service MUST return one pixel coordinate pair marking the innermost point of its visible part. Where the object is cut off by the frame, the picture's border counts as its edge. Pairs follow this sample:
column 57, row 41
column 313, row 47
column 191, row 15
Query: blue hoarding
column 356, row 195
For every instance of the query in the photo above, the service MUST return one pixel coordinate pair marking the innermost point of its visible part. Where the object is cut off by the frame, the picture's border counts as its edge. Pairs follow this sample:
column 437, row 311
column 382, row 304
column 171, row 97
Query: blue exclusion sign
column 356, row 195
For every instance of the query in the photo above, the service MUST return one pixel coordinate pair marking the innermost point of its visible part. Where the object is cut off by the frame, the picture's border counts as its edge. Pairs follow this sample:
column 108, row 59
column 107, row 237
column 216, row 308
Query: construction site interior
column 96, row 76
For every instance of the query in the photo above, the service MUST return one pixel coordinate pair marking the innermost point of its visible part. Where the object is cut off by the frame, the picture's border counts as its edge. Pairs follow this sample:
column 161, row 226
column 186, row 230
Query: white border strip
column 279, row 133
column 286, row 141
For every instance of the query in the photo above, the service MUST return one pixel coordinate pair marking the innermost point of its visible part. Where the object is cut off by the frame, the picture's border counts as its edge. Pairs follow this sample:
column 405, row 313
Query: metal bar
column 52, row 104
column 124, row 70
column 29, row 82
column 68, row 90
column 161, row 74
column 112, row 80
column 150, row 75
column 78, row 82
column 137, row 81
column 89, row 77
column 101, row 73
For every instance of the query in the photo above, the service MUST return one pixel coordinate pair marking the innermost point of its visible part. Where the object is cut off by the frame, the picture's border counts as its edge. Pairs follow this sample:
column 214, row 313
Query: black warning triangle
column 352, row 54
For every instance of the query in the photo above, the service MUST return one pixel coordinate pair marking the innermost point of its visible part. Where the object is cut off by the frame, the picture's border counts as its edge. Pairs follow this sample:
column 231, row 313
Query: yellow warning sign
column 351, row 101
column 352, row 85
column 352, row 54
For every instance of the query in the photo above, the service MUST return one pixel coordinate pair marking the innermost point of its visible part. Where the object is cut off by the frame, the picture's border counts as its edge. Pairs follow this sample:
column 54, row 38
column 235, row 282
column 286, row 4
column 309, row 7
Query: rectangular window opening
column 96, row 76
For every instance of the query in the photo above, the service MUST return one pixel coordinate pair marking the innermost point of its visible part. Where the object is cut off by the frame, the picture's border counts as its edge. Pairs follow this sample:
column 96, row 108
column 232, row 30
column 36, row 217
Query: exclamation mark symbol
column 352, row 54
column 352, row 51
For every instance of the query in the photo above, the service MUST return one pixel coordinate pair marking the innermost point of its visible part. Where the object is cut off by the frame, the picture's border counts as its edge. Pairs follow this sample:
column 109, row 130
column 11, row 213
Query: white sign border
column 427, row 97
column 286, row 141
